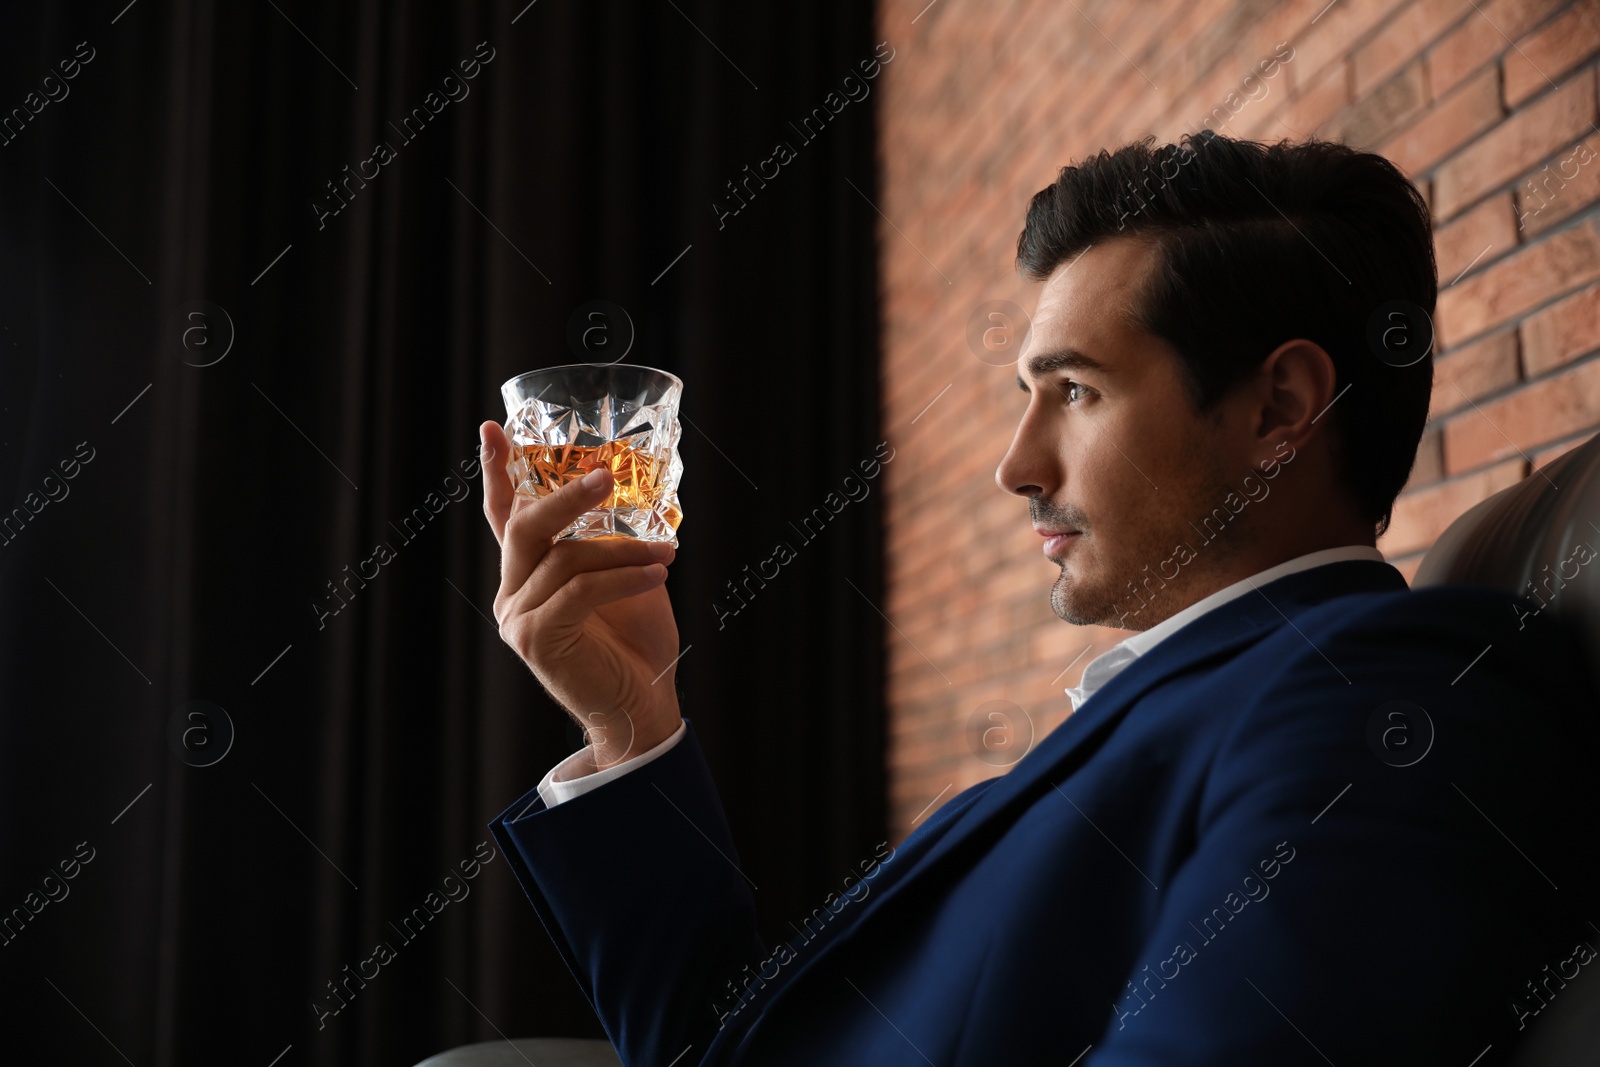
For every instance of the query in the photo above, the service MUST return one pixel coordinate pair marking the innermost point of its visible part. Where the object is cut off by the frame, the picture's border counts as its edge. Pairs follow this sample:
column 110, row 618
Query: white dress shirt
column 1096, row 674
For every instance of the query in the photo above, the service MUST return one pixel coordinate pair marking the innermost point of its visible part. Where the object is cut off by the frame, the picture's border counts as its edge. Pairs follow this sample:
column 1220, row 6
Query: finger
column 534, row 523
column 497, row 488
column 568, row 559
column 533, row 633
column 565, row 611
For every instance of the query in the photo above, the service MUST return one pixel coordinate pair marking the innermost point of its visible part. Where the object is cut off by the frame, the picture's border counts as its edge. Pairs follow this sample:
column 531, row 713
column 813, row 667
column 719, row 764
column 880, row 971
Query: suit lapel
column 1214, row 636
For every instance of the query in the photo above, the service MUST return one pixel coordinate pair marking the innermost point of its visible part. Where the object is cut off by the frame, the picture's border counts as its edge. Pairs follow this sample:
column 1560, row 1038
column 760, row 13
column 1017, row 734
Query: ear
column 1298, row 385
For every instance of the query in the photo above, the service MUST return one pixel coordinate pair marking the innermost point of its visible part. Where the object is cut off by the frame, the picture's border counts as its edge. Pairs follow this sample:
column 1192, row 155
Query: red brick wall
column 1485, row 106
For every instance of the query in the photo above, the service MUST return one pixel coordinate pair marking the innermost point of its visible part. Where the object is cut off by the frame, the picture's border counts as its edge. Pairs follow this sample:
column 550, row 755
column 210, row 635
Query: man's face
column 1110, row 446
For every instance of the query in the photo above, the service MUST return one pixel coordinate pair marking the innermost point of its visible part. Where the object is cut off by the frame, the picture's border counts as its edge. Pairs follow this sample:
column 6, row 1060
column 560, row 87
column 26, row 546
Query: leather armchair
column 542, row 1052
column 1541, row 538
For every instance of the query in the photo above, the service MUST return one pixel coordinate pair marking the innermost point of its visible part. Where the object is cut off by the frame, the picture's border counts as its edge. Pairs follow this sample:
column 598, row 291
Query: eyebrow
column 1059, row 359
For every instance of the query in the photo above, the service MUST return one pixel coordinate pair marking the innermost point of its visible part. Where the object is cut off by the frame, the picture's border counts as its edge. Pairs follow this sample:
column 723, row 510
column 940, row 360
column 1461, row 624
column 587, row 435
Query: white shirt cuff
column 553, row 792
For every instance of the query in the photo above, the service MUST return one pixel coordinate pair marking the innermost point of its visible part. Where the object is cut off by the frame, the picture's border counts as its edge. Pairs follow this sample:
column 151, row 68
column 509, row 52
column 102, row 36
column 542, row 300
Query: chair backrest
column 1539, row 538
column 545, row 1052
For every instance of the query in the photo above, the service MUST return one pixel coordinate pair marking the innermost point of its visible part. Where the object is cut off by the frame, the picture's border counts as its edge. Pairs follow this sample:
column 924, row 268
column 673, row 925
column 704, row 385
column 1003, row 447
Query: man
column 1302, row 815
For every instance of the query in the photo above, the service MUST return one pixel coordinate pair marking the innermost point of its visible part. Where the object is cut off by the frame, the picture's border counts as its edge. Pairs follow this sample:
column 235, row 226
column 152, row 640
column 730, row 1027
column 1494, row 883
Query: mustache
column 1067, row 517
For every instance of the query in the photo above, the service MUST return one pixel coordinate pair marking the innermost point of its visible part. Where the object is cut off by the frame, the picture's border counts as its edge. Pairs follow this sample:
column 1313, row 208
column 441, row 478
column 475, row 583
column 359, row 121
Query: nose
column 1026, row 469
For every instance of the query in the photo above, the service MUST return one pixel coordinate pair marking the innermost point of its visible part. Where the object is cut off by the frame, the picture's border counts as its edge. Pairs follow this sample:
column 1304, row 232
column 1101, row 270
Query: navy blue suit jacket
column 1235, row 853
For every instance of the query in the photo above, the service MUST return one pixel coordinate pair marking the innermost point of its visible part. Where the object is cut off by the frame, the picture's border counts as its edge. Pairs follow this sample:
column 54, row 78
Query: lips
column 1058, row 541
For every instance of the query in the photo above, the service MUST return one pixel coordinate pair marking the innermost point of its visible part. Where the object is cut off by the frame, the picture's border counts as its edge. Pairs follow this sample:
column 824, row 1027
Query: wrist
column 610, row 751
column 603, row 753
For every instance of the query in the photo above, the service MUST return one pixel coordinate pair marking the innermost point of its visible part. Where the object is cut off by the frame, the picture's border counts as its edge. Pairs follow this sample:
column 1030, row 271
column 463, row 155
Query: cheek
column 1170, row 442
column 1115, row 504
column 1135, row 488
column 1124, row 469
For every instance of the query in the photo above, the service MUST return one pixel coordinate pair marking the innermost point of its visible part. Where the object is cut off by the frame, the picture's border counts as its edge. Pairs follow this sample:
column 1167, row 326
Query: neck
column 1246, row 562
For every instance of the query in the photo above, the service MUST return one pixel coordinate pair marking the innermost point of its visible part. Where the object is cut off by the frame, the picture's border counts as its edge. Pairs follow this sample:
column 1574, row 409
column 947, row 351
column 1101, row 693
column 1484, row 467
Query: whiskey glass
column 564, row 422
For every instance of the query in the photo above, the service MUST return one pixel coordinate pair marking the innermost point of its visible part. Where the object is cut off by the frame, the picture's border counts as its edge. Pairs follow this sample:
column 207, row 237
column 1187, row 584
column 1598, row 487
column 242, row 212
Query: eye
column 1073, row 391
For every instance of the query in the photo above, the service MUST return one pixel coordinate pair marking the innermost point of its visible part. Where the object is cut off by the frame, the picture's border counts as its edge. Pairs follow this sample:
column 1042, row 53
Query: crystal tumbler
column 565, row 421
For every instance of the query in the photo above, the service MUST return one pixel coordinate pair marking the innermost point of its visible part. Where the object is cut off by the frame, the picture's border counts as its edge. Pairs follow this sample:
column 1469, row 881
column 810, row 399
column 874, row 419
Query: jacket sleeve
column 638, row 885
column 1383, row 871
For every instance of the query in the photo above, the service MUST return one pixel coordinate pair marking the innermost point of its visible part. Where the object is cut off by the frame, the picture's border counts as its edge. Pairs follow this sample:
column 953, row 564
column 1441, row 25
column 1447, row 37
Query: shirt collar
column 1100, row 670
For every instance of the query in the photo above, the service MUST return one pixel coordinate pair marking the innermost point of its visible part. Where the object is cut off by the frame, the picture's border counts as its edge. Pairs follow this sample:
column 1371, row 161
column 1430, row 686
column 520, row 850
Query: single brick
column 1378, row 114
column 1561, row 332
column 1475, row 239
column 1472, row 372
column 1566, row 184
column 1543, row 411
column 1286, row 22
column 1317, row 103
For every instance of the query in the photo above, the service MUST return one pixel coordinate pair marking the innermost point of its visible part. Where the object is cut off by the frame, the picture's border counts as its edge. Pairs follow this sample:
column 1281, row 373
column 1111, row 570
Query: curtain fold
column 276, row 339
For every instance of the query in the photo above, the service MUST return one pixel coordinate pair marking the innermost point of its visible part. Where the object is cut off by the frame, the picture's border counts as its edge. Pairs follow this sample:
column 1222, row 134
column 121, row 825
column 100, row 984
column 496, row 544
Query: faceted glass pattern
column 566, row 421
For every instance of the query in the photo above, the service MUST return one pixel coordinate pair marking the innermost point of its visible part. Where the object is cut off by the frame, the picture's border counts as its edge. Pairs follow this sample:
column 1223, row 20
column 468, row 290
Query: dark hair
column 1259, row 244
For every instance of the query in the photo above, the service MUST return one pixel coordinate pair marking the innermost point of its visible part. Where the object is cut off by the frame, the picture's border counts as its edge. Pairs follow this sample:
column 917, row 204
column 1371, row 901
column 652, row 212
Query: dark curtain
column 232, row 367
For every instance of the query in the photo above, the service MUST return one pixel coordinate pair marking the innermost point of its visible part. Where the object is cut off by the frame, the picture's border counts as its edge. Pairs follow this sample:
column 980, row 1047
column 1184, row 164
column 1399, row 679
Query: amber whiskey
column 636, row 475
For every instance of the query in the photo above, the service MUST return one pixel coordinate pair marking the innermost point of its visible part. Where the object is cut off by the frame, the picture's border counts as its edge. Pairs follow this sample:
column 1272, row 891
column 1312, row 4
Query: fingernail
column 595, row 478
column 661, row 549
